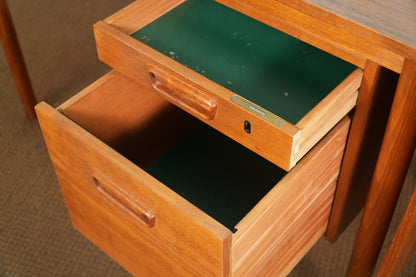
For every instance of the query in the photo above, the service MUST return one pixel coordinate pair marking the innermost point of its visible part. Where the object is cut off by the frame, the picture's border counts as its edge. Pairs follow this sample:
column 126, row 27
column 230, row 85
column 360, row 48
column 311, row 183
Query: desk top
column 393, row 18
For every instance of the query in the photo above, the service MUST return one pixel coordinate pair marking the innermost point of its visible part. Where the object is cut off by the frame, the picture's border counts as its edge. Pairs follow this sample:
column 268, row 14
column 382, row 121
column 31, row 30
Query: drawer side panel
column 288, row 221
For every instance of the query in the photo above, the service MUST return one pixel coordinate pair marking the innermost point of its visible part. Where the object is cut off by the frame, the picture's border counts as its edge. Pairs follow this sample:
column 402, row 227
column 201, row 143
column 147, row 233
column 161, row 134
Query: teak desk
column 378, row 37
column 374, row 35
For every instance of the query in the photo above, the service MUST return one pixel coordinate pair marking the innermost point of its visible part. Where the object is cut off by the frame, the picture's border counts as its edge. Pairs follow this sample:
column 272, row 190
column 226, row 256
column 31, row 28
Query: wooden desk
column 379, row 36
column 403, row 245
column 391, row 25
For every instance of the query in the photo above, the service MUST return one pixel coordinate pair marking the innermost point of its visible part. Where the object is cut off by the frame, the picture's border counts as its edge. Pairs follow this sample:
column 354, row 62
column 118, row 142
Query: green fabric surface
column 274, row 70
column 216, row 174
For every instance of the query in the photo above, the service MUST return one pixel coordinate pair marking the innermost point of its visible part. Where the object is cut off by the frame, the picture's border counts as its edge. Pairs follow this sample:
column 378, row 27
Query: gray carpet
column 36, row 235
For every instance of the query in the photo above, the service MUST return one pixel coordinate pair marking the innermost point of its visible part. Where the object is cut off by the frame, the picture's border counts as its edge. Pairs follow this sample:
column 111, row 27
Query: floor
column 36, row 235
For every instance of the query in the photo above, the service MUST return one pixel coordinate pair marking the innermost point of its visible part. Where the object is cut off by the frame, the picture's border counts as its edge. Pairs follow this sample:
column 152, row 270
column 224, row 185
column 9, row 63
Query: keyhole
column 247, row 127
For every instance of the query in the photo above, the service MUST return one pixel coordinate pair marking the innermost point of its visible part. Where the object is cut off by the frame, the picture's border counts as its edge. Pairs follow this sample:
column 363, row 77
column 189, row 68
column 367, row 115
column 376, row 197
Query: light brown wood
column 328, row 113
column 364, row 142
column 116, row 48
column 116, row 110
column 143, row 225
column 16, row 61
column 393, row 162
column 77, row 156
column 114, row 99
column 356, row 42
column 403, row 246
column 126, row 19
column 391, row 24
column 120, row 198
column 293, row 215
column 283, row 145
column 184, row 95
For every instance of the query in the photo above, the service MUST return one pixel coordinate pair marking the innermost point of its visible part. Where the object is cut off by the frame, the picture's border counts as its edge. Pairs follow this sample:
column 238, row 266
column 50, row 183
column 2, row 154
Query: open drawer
column 166, row 195
column 268, row 91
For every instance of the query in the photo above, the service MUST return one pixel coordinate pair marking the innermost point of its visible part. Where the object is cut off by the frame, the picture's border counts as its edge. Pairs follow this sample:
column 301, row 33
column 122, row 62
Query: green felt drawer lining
column 216, row 174
column 274, row 70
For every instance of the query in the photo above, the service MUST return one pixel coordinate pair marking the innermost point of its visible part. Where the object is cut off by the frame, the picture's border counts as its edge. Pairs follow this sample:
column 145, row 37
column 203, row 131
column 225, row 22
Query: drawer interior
column 227, row 70
column 216, row 174
column 271, row 69
column 140, row 219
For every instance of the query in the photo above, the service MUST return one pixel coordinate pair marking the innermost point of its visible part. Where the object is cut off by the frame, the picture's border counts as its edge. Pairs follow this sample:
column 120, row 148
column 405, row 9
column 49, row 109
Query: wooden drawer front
column 136, row 220
column 150, row 229
column 273, row 136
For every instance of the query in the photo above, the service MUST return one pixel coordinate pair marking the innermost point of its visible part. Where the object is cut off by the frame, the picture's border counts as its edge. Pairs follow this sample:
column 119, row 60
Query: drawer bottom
column 216, row 174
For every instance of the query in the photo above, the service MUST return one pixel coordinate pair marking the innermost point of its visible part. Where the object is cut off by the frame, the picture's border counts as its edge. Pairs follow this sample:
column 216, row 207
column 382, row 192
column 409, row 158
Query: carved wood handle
column 183, row 95
column 115, row 194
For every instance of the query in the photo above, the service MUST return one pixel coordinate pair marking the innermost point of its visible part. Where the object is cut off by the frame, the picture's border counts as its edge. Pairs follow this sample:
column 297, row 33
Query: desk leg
column 393, row 162
column 364, row 142
column 14, row 56
column 403, row 246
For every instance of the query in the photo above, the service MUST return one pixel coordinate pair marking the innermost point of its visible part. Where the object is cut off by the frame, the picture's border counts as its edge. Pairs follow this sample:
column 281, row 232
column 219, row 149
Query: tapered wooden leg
column 403, row 246
column 364, row 142
column 15, row 59
column 393, row 162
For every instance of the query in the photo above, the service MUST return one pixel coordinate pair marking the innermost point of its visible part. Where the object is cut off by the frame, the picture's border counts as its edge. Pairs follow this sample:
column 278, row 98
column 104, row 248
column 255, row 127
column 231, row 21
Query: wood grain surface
column 293, row 215
column 15, row 59
column 364, row 142
column 179, row 227
column 394, row 19
column 393, row 162
column 126, row 20
column 281, row 144
column 403, row 246
column 328, row 112
column 111, row 200
column 117, row 110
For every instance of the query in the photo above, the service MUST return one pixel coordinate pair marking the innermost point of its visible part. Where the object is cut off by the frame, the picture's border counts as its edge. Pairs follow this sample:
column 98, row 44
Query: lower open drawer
column 165, row 195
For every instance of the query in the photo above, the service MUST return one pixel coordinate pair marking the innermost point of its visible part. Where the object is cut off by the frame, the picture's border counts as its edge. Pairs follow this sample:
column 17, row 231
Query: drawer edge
column 321, row 119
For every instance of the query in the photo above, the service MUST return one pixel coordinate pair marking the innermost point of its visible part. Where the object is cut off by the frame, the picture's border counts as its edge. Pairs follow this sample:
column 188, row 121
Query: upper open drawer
column 268, row 91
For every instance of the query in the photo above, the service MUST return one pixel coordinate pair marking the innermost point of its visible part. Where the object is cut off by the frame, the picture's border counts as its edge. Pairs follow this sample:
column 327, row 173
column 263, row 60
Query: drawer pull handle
column 184, row 95
column 121, row 198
